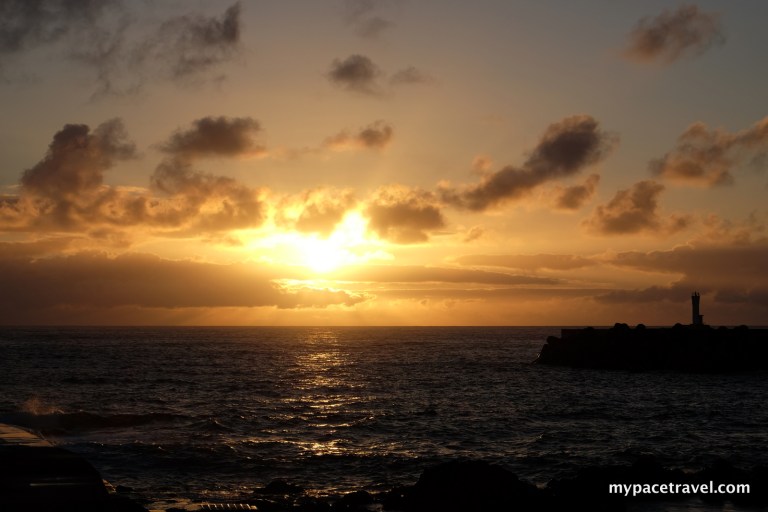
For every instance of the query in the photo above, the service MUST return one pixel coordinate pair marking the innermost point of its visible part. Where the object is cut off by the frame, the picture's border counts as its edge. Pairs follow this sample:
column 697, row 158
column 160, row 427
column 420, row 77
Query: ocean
column 181, row 414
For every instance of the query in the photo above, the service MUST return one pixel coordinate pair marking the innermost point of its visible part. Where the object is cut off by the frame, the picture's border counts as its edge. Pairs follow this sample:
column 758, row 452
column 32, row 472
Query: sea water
column 183, row 413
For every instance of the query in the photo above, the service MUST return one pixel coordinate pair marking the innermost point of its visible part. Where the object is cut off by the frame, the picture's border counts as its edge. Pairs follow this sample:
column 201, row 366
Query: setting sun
column 348, row 244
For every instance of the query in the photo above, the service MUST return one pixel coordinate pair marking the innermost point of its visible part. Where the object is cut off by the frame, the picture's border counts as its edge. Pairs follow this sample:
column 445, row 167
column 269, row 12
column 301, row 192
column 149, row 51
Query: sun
column 348, row 244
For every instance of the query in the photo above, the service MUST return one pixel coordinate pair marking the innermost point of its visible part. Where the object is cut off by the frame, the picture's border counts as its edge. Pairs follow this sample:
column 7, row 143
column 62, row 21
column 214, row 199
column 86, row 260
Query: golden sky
column 361, row 162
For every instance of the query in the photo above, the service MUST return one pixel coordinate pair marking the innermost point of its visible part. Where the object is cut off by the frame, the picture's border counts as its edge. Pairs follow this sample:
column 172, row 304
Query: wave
column 59, row 422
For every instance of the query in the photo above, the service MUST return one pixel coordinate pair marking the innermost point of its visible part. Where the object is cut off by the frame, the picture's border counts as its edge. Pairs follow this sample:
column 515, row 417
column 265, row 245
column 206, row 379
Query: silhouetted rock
column 353, row 502
column 470, row 485
column 279, row 486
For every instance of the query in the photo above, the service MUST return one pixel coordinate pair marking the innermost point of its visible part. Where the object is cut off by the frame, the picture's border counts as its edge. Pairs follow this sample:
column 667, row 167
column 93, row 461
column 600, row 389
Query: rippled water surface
column 187, row 413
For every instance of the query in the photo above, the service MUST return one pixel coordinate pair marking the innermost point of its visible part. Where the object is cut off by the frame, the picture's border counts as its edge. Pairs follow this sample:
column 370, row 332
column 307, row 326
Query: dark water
column 191, row 413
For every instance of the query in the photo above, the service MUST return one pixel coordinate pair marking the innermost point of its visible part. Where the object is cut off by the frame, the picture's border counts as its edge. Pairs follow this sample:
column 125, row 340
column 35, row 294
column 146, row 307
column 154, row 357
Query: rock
column 470, row 485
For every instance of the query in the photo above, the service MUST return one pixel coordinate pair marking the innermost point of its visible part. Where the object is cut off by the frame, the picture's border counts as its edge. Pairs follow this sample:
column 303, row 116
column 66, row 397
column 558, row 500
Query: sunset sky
column 376, row 162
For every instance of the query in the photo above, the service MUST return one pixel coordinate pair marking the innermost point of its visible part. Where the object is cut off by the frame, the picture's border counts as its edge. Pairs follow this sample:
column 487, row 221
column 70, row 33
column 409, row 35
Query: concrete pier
column 35, row 475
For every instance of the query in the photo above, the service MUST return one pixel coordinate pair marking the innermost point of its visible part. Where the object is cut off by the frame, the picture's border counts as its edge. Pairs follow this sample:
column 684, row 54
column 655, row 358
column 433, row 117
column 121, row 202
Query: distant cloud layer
column 635, row 210
column 700, row 267
column 143, row 280
column 674, row 34
column 708, row 157
column 565, row 148
column 528, row 262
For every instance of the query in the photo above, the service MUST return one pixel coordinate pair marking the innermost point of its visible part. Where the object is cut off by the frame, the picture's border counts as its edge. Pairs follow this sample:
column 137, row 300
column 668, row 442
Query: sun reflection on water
column 324, row 378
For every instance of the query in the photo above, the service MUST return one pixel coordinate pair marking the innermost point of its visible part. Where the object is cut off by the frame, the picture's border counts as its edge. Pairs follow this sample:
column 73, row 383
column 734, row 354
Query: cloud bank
column 97, row 280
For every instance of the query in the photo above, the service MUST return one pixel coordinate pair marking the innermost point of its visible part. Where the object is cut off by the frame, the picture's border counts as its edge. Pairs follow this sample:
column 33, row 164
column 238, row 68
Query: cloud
column 315, row 211
column 28, row 24
column 700, row 267
column 65, row 191
column 635, row 210
column 473, row 234
column 359, row 74
column 361, row 15
column 203, row 202
column 76, row 160
column 573, row 198
column 403, row 215
column 97, row 280
column 528, row 262
column 424, row 274
column 190, row 45
column 672, row 35
column 376, row 135
column 104, row 36
column 707, row 157
column 482, row 164
column 356, row 73
column 565, row 148
column 409, row 76
column 216, row 136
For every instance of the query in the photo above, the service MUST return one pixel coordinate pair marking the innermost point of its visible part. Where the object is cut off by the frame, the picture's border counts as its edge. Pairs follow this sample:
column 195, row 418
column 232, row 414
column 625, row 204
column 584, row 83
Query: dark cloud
column 356, row 73
column 573, row 198
column 76, row 160
column 422, row 274
column 65, row 191
column 376, row 135
column 363, row 17
column 216, row 136
column 101, row 35
column 403, row 216
column 27, row 24
column 190, row 45
column 674, row 34
column 528, row 262
column 708, row 157
column 97, row 280
column 635, row 210
column 565, row 148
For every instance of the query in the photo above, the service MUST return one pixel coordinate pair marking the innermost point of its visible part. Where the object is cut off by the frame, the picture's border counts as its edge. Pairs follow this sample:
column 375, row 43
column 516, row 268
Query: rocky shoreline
column 468, row 485
column 36, row 474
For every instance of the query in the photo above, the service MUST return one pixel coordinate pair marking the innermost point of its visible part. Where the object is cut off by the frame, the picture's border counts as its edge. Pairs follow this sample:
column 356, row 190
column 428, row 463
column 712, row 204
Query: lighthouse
column 697, row 318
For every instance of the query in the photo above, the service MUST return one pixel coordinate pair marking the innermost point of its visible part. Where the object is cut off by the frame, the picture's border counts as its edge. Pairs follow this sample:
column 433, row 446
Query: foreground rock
column 35, row 475
column 466, row 486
